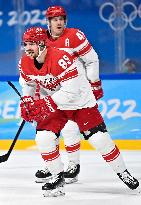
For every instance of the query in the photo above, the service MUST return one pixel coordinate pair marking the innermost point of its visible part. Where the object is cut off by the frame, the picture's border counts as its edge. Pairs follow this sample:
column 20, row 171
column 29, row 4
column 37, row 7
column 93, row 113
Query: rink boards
column 30, row 145
column 120, row 107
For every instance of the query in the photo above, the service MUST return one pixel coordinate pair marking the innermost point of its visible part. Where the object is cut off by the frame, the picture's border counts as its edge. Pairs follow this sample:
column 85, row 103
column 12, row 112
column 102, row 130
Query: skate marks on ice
column 97, row 184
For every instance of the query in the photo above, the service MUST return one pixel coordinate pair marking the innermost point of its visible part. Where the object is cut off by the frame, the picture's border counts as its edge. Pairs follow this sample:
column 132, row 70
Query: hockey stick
column 14, row 88
column 5, row 157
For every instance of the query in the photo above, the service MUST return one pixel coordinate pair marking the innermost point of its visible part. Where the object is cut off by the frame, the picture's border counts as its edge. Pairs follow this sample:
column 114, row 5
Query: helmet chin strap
column 57, row 36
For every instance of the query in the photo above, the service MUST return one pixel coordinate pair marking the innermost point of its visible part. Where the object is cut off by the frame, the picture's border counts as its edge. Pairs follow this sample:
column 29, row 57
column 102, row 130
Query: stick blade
column 4, row 158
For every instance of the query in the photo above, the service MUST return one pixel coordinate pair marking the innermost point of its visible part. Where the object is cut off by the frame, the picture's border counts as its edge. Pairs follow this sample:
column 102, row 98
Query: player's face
column 31, row 49
column 57, row 25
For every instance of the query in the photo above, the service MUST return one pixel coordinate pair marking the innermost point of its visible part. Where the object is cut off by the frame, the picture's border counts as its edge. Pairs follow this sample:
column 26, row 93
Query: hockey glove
column 44, row 108
column 97, row 89
column 27, row 105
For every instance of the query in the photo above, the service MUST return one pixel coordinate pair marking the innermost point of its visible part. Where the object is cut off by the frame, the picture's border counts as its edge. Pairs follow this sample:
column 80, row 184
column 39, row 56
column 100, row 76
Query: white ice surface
column 98, row 184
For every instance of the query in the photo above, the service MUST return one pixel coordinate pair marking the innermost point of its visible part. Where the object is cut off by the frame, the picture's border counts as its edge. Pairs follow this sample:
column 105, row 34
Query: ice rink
column 98, row 184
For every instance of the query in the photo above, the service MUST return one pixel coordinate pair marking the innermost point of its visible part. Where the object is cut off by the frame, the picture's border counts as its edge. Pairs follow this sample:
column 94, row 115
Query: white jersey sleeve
column 28, row 86
column 75, row 91
column 87, row 55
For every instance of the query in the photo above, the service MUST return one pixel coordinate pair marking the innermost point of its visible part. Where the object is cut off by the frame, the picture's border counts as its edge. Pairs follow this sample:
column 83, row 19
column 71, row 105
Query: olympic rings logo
column 121, row 16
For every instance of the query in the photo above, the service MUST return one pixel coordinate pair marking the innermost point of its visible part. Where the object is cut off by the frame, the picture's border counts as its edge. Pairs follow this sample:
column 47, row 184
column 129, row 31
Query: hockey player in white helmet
column 75, row 43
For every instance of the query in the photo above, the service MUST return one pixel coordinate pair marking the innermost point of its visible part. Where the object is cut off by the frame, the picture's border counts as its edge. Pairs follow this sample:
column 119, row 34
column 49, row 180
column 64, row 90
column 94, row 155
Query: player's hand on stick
column 44, row 108
column 27, row 105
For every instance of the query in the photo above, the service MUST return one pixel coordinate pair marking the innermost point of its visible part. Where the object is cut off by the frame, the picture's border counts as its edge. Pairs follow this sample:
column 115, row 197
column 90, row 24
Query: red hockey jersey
column 75, row 43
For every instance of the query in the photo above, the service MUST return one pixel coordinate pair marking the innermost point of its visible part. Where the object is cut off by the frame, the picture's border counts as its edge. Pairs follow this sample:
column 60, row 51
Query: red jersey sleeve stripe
column 84, row 50
column 25, row 77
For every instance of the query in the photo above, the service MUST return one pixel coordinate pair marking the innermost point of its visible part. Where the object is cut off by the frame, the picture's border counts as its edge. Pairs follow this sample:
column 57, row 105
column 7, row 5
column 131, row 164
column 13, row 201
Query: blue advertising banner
column 10, row 114
column 120, row 107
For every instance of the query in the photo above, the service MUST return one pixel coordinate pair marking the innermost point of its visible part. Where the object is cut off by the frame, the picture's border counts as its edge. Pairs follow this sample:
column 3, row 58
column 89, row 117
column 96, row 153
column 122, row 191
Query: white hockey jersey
column 73, row 90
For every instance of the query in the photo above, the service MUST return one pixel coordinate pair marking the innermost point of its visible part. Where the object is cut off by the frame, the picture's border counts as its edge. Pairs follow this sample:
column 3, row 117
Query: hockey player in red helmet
column 34, row 34
column 58, row 16
column 55, row 11
column 74, row 42
column 32, row 37
column 55, row 91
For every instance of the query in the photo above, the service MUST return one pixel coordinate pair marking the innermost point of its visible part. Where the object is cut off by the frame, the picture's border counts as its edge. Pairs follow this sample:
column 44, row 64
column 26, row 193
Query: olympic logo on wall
column 119, row 17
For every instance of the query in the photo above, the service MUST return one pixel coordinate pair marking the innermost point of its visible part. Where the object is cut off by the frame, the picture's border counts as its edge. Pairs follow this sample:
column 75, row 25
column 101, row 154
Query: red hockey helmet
column 35, row 34
column 55, row 11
